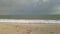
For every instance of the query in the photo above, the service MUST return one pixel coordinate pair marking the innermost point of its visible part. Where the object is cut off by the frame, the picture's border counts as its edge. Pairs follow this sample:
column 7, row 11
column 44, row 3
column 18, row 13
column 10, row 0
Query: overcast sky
column 22, row 7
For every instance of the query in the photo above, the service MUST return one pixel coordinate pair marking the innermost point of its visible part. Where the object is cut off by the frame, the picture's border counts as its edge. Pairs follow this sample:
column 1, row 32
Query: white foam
column 29, row 21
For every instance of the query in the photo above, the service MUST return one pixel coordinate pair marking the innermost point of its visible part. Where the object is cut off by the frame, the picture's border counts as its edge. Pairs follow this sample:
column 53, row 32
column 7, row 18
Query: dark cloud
column 18, row 7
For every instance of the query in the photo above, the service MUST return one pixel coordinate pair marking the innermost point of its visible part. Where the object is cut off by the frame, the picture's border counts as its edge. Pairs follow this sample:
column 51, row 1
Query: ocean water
column 29, row 21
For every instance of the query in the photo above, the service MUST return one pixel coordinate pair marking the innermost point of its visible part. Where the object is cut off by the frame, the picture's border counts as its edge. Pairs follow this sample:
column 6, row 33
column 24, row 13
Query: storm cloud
column 22, row 7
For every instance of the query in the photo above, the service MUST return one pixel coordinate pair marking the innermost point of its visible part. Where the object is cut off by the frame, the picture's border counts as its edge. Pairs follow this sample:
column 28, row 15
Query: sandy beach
column 18, row 28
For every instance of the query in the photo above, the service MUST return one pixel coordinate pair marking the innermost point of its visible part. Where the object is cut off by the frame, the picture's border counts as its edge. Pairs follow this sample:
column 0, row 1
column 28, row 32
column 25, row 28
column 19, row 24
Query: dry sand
column 6, row 28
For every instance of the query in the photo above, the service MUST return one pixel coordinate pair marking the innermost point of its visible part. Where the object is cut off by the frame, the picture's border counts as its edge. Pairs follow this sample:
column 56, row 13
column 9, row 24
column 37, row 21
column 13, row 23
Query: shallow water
column 29, row 21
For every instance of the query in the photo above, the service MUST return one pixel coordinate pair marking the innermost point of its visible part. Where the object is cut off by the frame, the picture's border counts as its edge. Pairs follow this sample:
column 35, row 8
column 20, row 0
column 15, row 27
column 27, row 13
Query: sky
column 29, row 7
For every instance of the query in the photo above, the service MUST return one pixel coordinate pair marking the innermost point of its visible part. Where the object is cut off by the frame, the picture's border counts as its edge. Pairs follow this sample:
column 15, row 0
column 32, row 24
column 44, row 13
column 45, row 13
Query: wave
column 29, row 21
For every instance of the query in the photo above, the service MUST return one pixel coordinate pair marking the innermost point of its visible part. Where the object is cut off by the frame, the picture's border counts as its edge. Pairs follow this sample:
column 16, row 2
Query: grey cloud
column 17, row 7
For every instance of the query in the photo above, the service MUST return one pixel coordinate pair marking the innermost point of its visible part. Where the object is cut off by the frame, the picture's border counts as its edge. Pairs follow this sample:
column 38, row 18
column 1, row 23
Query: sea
column 29, row 21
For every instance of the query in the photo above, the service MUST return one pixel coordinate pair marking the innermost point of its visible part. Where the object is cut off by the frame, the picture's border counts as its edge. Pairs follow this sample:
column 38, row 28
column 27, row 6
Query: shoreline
column 29, row 21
